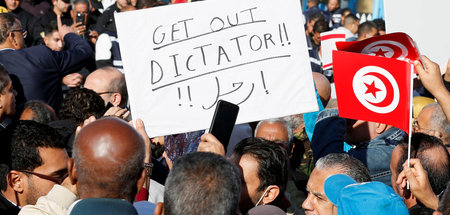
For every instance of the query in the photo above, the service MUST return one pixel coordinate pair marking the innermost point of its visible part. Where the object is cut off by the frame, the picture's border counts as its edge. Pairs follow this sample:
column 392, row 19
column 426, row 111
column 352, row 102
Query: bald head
column 323, row 87
column 108, row 156
column 432, row 120
column 110, row 84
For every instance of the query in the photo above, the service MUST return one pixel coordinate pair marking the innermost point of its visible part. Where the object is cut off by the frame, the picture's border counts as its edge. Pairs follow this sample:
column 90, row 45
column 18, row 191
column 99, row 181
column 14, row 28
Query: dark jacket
column 37, row 71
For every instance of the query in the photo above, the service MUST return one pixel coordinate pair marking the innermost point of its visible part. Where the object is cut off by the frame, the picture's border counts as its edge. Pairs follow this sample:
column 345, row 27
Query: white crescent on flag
column 376, row 89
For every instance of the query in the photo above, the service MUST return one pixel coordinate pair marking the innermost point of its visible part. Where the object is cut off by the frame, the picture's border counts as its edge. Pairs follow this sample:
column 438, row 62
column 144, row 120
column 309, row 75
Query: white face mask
column 264, row 194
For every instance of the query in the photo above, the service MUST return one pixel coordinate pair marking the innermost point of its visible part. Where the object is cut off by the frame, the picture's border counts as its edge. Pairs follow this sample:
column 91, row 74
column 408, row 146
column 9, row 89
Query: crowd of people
column 68, row 144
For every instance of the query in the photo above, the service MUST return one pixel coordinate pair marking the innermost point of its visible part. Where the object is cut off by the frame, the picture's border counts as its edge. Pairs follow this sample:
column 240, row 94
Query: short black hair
column 320, row 26
column 25, row 139
column 350, row 19
column 202, row 183
column 437, row 167
column 50, row 28
column 316, row 16
column 272, row 160
column 7, row 21
column 366, row 27
column 381, row 26
column 345, row 10
column 4, row 78
column 42, row 113
column 149, row 3
column 80, row 104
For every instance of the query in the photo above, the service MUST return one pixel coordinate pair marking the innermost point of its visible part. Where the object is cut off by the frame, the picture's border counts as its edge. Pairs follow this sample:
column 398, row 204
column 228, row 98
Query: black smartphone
column 80, row 18
column 223, row 121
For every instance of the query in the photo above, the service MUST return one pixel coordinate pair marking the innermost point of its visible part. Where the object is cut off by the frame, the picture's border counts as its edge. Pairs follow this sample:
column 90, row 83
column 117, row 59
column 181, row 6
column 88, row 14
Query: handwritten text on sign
column 179, row 60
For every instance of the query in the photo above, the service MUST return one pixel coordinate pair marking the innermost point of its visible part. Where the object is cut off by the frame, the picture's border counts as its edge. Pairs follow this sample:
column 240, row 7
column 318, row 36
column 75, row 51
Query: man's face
column 97, row 85
column 54, row 163
column 12, row 4
column 122, row 3
column 317, row 202
column 395, row 158
column 275, row 132
column 8, row 100
column 310, row 25
column 61, row 6
column 250, row 182
column 316, row 38
column 354, row 27
column 53, row 41
column 422, row 123
column 80, row 8
column 333, row 5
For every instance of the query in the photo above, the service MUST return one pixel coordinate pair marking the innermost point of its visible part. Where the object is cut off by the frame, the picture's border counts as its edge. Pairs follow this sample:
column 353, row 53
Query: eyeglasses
column 417, row 128
column 55, row 179
column 23, row 31
column 104, row 92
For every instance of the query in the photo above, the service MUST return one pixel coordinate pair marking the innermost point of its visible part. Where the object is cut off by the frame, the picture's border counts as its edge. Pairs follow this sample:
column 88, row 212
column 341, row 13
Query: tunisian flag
column 373, row 88
column 396, row 45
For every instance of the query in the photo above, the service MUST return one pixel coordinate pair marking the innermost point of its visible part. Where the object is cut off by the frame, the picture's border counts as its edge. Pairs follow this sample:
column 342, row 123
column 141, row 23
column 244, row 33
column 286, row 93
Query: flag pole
column 410, row 115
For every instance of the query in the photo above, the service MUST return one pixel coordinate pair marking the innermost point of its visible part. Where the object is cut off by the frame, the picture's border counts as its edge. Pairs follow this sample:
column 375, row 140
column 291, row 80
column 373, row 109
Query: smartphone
column 80, row 18
column 223, row 121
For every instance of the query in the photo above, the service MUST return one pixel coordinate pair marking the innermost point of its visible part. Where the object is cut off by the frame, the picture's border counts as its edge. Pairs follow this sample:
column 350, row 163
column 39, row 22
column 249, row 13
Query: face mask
column 264, row 194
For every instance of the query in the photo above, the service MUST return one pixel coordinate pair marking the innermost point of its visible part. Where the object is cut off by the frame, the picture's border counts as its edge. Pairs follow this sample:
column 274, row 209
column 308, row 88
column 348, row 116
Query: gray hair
column 347, row 164
column 202, row 183
column 438, row 121
column 278, row 120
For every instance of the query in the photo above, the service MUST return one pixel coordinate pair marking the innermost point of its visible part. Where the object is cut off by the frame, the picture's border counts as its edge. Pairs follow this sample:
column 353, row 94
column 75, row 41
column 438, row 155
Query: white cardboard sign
column 179, row 60
column 328, row 42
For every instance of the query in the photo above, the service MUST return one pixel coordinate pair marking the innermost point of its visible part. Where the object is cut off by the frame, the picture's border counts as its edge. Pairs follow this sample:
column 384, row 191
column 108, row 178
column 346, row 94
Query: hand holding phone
column 223, row 121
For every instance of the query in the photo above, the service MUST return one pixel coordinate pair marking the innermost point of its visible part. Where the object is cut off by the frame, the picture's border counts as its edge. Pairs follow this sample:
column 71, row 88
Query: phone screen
column 223, row 121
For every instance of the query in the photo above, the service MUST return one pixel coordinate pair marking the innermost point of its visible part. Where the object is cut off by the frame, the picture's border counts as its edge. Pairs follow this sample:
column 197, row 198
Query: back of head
column 4, row 78
column 25, row 139
column 38, row 111
column 434, row 158
column 381, row 26
column 438, row 122
column 366, row 28
column 347, row 164
column 419, row 102
column 109, row 157
column 202, row 183
column 272, row 160
column 323, row 87
column 320, row 26
column 350, row 19
column 316, row 17
column 80, row 104
column 7, row 21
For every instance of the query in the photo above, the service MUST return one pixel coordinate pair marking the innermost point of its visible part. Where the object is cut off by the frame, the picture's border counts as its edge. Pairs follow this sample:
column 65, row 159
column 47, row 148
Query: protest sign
column 179, row 60
column 328, row 41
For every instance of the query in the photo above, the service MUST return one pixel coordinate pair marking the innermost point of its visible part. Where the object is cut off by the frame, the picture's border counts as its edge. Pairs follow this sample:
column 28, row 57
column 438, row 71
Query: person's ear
column 16, row 180
column 72, row 169
column 159, row 209
column 115, row 99
column 380, row 128
column 141, row 180
column 13, row 39
column 271, row 194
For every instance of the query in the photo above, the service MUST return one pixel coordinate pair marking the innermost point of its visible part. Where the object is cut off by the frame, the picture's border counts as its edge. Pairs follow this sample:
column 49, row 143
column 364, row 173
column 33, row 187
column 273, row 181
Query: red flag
column 373, row 88
column 396, row 45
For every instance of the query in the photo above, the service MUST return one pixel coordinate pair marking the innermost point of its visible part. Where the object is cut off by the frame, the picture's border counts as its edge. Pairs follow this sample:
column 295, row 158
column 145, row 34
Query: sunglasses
column 56, row 179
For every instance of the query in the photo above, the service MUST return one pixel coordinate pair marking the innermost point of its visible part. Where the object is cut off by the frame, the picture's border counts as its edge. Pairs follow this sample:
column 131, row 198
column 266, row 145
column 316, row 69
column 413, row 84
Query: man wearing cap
column 317, row 202
column 355, row 198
